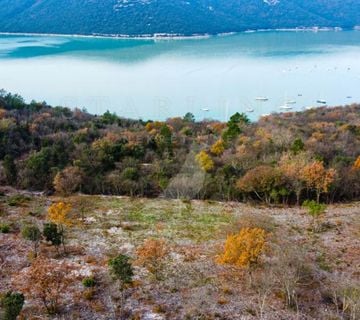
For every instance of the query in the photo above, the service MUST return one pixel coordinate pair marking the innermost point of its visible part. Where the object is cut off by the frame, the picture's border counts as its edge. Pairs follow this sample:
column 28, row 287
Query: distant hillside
column 135, row 17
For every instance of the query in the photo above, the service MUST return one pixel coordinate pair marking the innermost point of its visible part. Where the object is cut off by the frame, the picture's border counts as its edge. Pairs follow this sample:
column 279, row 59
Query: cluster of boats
column 288, row 104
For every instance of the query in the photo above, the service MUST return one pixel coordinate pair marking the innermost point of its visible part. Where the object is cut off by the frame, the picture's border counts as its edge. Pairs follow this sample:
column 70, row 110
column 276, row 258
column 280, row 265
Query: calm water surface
column 157, row 79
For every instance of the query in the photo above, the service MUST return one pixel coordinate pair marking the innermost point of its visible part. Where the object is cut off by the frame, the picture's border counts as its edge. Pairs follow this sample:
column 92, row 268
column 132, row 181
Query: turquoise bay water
column 156, row 79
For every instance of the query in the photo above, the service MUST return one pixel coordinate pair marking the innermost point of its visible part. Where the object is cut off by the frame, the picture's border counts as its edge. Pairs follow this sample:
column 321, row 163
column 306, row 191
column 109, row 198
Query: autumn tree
column 58, row 213
column 261, row 180
column 33, row 234
column 68, row 181
column 291, row 167
column 356, row 164
column 245, row 248
column 204, row 160
column 151, row 255
column 319, row 178
column 48, row 281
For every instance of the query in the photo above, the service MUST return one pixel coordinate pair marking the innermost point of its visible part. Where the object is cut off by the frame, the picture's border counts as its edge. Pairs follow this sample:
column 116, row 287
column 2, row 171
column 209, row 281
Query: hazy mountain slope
column 176, row 16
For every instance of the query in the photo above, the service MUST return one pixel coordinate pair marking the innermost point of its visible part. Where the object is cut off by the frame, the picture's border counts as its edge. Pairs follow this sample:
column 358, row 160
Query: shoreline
column 170, row 36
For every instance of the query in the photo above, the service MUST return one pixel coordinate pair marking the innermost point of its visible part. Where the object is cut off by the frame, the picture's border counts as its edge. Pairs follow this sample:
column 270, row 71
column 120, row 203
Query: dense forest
column 283, row 158
column 139, row 17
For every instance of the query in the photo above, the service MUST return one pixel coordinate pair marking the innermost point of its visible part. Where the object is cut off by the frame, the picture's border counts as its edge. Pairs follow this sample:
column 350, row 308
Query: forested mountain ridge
column 148, row 17
column 285, row 158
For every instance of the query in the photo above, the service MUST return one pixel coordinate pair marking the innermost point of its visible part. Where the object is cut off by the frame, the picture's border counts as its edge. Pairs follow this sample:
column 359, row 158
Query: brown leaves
column 261, row 180
column 317, row 177
column 68, row 181
column 48, row 281
column 152, row 254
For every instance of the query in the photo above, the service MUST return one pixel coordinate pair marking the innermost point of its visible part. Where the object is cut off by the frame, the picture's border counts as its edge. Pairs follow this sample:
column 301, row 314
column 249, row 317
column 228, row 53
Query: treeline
column 136, row 17
column 283, row 158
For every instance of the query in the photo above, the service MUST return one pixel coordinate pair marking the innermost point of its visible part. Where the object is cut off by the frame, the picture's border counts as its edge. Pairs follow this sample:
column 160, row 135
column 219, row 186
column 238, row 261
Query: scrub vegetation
column 109, row 218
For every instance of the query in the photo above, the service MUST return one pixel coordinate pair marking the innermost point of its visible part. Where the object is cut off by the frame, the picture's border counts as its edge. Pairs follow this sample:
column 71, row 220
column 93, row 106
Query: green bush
column 89, row 282
column 12, row 303
column 33, row 234
column 314, row 209
column 121, row 269
column 4, row 228
column 52, row 234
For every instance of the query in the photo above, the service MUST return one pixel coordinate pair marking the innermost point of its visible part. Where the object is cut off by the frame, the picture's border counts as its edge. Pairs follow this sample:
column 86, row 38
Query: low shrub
column 12, row 304
column 89, row 282
column 17, row 200
column 4, row 228
column 245, row 248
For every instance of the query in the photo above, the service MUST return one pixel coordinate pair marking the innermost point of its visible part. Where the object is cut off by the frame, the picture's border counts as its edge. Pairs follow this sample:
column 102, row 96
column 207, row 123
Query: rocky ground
column 320, row 269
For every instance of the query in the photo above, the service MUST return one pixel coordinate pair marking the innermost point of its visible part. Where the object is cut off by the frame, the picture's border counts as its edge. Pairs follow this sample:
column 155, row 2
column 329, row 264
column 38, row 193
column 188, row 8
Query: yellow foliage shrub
column 244, row 249
column 59, row 213
column 205, row 161
column 218, row 147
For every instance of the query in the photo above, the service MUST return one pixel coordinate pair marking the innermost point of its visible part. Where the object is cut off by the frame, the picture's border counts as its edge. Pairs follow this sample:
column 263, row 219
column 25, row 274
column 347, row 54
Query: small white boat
column 299, row 94
column 265, row 115
column 261, row 99
column 321, row 101
column 205, row 109
column 286, row 107
column 249, row 110
column 310, row 107
column 291, row 102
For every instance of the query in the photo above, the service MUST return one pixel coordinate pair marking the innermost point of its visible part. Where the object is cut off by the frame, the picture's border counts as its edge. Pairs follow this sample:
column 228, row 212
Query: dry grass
column 192, row 285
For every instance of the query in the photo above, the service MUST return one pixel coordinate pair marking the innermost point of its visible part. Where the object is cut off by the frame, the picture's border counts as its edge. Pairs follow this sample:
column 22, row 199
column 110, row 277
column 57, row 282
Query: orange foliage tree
column 357, row 163
column 151, row 255
column 58, row 213
column 291, row 167
column 245, row 248
column 48, row 281
column 318, row 177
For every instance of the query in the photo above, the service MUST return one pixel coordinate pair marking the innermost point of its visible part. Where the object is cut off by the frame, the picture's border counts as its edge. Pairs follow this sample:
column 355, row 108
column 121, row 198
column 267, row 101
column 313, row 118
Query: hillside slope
column 135, row 17
column 321, row 267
